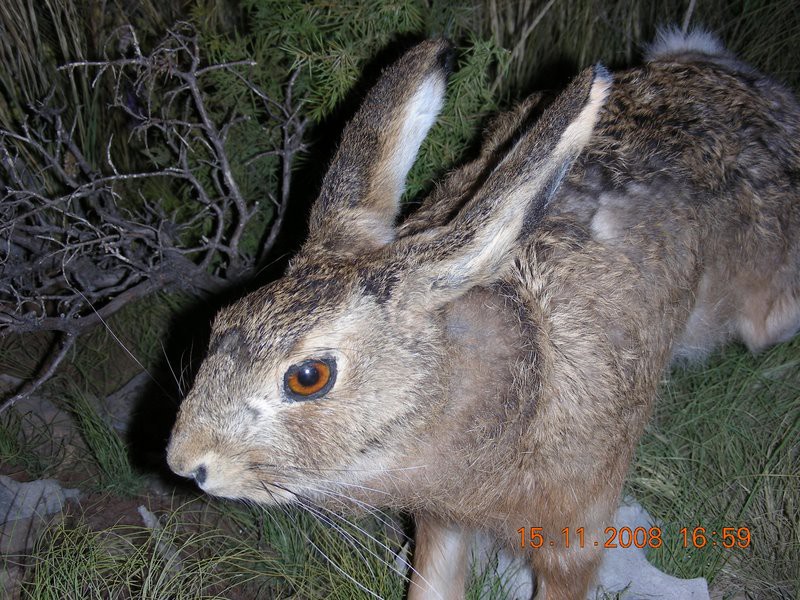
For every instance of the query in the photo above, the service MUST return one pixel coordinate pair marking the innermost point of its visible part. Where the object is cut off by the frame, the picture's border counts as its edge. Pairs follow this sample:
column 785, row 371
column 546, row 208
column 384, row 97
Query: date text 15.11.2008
column 640, row 537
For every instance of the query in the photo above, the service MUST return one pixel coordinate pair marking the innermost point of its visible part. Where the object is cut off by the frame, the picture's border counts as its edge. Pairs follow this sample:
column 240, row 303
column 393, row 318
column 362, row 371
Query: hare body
column 496, row 357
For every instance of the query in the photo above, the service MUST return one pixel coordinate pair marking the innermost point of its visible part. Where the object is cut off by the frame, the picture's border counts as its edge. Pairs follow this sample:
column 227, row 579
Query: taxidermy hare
column 489, row 364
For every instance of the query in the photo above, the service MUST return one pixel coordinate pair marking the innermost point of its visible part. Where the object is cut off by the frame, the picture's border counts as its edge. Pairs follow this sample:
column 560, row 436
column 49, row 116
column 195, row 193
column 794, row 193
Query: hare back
column 675, row 232
column 692, row 176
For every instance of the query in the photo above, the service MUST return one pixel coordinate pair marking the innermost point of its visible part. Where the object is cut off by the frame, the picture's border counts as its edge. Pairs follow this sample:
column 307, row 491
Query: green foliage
column 722, row 452
column 106, row 448
column 26, row 442
column 74, row 561
column 330, row 42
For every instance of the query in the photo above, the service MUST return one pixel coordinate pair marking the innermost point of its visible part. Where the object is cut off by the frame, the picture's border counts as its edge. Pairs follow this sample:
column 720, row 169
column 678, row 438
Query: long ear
column 475, row 247
column 360, row 196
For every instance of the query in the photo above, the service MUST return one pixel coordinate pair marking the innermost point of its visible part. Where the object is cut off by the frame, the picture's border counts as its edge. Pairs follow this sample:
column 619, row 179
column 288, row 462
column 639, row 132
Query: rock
column 118, row 408
column 24, row 506
column 10, row 581
column 627, row 568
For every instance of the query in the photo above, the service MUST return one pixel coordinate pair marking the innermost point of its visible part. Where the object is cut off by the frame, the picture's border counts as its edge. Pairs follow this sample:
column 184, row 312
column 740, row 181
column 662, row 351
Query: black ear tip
column 446, row 58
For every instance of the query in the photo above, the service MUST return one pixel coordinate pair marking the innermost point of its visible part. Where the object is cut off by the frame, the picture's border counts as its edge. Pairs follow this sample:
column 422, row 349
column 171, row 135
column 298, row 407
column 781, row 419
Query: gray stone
column 24, row 506
column 627, row 568
column 21, row 500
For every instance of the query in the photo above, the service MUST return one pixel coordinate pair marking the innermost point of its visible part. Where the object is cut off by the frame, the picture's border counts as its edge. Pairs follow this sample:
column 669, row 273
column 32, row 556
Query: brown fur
column 498, row 354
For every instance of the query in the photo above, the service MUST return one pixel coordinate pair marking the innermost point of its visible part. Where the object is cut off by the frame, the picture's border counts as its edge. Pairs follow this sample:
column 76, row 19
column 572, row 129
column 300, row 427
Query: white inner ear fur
column 580, row 130
column 500, row 234
column 420, row 115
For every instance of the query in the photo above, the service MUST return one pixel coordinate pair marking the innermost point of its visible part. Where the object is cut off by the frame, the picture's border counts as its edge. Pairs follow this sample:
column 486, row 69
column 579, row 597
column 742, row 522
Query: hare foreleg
column 565, row 573
column 440, row 560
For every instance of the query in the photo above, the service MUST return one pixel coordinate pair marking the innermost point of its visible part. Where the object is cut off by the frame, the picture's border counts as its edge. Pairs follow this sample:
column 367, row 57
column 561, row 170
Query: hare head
column 333, row 371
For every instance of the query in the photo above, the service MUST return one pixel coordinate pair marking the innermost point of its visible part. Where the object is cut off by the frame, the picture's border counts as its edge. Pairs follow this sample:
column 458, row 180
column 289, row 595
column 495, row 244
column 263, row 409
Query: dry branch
column 80, row 240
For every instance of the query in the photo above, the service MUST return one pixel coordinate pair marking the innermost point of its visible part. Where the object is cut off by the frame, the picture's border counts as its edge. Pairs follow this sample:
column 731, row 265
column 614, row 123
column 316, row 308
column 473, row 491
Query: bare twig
column 46, row 372
column 84, row 239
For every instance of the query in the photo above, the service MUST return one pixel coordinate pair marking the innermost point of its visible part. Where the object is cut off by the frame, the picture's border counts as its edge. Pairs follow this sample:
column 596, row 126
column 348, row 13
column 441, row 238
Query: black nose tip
column 200, row 474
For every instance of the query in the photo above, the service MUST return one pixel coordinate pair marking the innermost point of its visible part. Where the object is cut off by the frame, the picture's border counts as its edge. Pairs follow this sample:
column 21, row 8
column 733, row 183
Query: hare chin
column 262, row 493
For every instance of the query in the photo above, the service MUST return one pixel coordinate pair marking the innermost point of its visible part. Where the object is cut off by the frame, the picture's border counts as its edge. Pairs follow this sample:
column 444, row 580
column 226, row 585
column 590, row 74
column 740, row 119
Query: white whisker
column 321, row 517
column 370, row 536
column 373, row 510
column 171, row 370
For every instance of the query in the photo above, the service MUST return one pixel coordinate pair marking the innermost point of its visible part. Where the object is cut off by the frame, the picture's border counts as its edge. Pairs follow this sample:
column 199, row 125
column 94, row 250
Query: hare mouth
column 262, row 492
column 272, row 494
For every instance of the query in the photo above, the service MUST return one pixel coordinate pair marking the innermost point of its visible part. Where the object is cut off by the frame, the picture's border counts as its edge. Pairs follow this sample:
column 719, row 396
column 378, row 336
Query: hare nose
column 200, row 474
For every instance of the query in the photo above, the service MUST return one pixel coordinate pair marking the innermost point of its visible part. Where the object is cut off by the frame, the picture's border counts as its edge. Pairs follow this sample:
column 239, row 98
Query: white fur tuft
column 420, row 115
column 671, row 41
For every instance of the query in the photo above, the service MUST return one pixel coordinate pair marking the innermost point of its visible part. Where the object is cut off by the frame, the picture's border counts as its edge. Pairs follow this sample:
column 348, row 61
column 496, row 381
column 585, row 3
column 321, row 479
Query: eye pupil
column 308, row 376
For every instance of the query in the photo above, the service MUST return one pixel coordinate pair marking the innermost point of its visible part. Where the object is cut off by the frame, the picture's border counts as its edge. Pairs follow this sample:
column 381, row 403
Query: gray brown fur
column 506, row 389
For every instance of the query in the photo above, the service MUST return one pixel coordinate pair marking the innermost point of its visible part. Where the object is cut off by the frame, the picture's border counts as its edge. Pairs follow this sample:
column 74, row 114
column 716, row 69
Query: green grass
column 325, row 554
column 106, row 449
column 229, row 551
column 26, row 442
column 173, row 560
column 722, row 451
column 485, row 584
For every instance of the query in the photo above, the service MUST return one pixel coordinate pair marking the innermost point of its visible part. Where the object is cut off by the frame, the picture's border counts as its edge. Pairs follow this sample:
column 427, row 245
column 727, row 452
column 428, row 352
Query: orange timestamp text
column 639, row 537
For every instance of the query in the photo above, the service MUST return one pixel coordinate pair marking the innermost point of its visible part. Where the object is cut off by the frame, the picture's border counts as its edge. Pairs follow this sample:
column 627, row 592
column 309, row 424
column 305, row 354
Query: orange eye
column 310, row 379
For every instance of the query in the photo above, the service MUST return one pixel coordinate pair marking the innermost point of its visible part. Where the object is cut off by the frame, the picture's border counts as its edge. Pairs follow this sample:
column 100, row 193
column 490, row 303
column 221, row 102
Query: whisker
column 361, row 530
column 342, row 571
column 301, row 503
column 186, row 368
column 382, row 516
column 341, row 469
column 171, row 370
column 374, row 539
column 346, row 535
column 318, row 511
column 314, row 509
column 369, row 509
column 306, row 472
column 122, row 344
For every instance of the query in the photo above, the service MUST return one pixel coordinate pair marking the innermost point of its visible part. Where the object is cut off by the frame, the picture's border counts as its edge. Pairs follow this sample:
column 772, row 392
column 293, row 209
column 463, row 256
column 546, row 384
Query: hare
column 490, row 363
